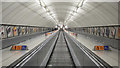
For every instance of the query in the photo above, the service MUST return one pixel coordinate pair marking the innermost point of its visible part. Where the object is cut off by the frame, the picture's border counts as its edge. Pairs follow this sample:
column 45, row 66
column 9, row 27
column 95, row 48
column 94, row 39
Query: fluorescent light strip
column 43, row 5
column 80, row 4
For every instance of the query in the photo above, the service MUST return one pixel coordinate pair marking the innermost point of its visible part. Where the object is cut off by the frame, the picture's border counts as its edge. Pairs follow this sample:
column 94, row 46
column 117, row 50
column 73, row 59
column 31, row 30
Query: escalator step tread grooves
column 61, row 55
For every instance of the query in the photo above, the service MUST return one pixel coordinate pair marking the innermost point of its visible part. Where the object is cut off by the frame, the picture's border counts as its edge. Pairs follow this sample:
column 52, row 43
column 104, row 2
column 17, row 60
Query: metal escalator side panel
column 74, row 57
column 26, row 59
column 60, row 56
column 97, row 61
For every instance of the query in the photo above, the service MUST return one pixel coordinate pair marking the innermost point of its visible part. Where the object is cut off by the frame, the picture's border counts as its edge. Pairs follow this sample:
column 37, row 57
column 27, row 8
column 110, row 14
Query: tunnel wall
column 13, row 34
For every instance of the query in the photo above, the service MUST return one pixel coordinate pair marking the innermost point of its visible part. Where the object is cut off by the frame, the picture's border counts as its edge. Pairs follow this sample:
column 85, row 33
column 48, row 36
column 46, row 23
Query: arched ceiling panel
column 31, row 13
column 23, row 13
column 105, row 13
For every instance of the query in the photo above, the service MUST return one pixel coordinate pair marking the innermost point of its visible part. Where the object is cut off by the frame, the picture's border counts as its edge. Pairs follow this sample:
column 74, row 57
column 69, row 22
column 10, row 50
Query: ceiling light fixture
column 80, row 4
column 44, row 6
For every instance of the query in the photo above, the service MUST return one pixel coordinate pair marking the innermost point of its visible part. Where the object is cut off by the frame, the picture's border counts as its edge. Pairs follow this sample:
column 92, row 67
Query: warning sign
column 19, row 47
column 101, row 48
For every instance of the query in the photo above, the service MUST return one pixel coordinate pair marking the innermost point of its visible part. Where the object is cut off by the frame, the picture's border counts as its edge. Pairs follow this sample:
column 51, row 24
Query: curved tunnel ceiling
column 94, row 15
column 31, row 13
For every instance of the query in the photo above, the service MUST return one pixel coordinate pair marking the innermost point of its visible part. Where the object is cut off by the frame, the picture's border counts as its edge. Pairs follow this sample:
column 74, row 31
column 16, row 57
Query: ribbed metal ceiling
column 53, row 12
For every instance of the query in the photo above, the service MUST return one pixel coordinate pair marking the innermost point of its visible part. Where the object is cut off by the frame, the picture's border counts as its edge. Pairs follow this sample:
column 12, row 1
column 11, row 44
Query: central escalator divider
column 60, row 56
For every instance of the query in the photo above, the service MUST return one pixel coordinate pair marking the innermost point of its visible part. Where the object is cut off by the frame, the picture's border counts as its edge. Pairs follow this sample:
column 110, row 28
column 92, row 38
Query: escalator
column 60, row 50
column 61, row 55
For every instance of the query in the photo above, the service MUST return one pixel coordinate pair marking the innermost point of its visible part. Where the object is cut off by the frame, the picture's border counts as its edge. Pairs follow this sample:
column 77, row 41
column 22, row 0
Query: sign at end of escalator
column 19, row 47
column 101, row 48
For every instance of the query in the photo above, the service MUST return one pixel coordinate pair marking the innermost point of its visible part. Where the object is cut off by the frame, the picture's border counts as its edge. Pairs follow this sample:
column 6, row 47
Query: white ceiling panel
column 31, row 13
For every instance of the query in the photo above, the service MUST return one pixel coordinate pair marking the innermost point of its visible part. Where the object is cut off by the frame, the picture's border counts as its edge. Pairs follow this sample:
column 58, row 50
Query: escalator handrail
column 49, row 54
column 30, row 54
column 74, row 57
column 97, row 60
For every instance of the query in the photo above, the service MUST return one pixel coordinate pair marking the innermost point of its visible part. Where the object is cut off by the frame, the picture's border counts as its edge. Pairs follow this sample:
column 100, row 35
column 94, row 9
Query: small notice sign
column 19, row 47
column 100, row 48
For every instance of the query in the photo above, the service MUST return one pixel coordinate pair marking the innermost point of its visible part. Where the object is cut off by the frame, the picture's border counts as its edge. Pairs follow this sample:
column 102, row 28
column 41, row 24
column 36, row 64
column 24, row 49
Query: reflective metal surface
column 61, row 55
